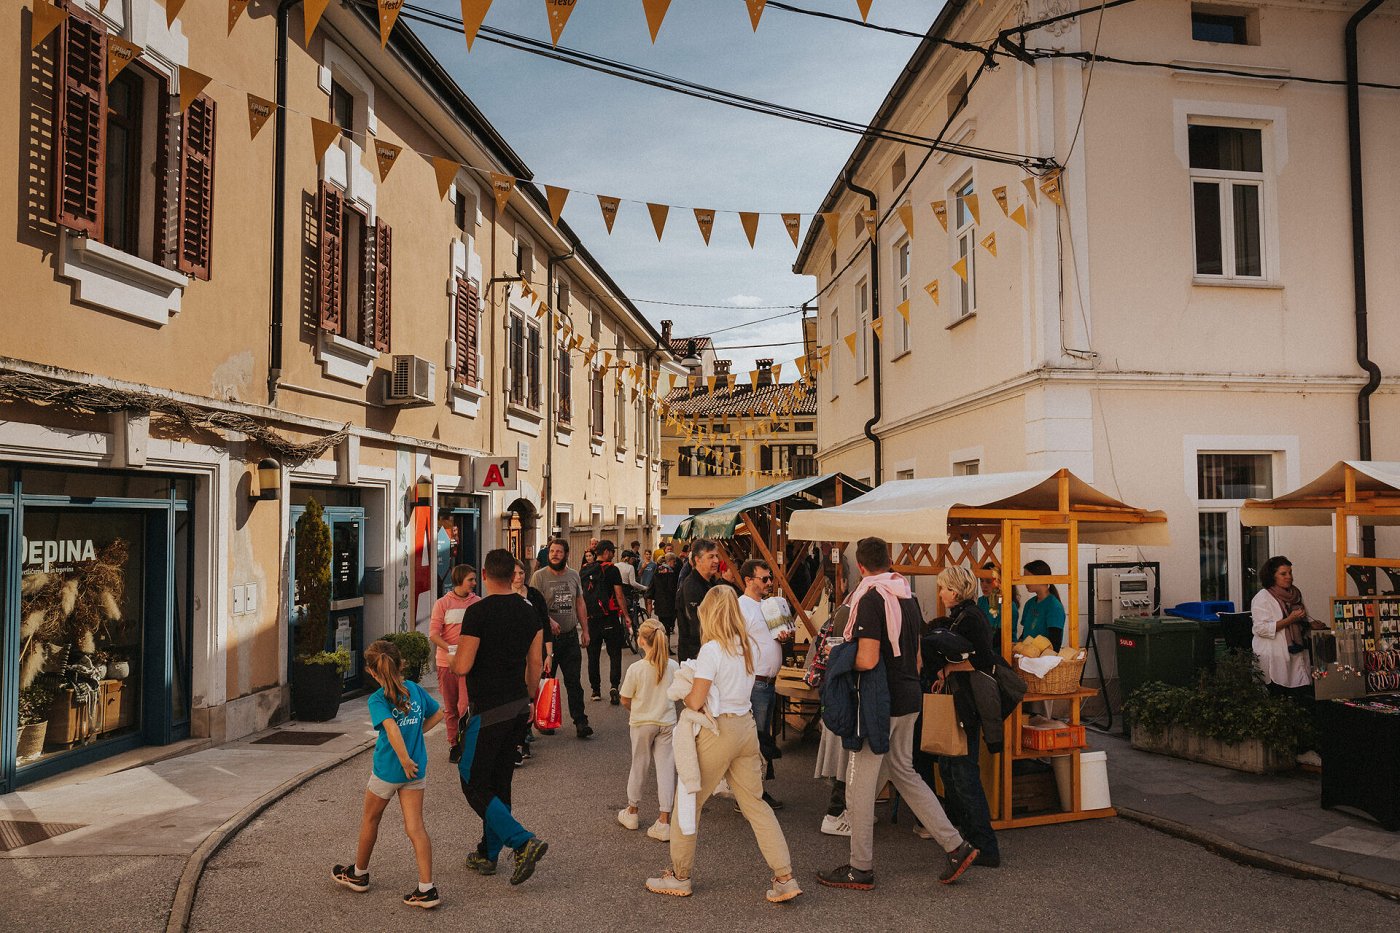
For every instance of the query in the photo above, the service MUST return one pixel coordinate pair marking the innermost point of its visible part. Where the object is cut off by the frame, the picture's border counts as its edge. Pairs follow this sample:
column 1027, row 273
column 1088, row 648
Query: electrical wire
column 691, row 304
column 1205, row 69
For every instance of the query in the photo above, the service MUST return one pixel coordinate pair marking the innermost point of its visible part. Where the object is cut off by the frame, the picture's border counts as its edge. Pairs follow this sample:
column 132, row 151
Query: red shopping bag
column 548, row 715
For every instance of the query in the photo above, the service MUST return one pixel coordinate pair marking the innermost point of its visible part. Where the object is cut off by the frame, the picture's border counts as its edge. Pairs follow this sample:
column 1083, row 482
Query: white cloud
column 744, row 301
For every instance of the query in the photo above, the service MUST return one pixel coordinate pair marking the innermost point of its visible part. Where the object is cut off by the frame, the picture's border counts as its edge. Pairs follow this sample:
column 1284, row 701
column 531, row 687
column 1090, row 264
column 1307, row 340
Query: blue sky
column 595, row 133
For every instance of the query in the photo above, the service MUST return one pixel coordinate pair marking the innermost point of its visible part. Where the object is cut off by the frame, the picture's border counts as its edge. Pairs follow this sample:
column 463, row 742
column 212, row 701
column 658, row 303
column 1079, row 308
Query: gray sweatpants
column 863, row 782
column 652, row 745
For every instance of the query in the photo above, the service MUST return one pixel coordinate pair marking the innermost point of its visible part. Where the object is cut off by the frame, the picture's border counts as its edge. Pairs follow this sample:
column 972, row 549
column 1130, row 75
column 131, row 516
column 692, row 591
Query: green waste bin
column 1161, row 648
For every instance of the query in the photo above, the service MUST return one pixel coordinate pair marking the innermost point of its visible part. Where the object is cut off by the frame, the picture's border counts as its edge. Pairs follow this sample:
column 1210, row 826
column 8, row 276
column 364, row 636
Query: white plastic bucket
column 1093, row 780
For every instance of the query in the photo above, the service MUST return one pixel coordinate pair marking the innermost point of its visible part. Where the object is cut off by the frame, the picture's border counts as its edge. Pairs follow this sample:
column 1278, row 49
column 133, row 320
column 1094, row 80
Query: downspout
column 874, row 316
column 1358, row 252
column 279, row 207
column 552, row 415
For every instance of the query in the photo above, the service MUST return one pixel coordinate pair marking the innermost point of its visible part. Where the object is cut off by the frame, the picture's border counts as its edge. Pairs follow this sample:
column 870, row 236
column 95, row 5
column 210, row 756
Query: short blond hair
column 960, row 580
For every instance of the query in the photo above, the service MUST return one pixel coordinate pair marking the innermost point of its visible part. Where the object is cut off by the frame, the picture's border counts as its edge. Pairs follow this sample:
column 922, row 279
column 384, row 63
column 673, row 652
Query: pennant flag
column 877, row 326
column 709, row 383
column 973, row 207
column 850, row 342
column 607, row 359
column 609, row 207
column 633, row 390
column 753, row 379
column 192, row 84
column 120, row 53
column 869, row 216
column 826, row 356
column 656, row 12
column 658, row 217
column 940, row 210
column 473, row 13
column 502, row 185
column 989, row 242
column 793, row 222
column 385, row 154
column 832, row 221
column 556, row 198
column 47, row 18
column 559, row 12
column 906, row 217
column 235, row 10
column 864, row 8
column 777, row 371
column 446, row 171
column 1029, row 182
column 960, row 267
column 903, row 308
column 172, row 10
column 750, row 221
column 802, row 364
column 1050, row 184
column 322, row 135
column 999, row 193
column 755, row 11
column 674, row 377
column 311, row 12
column 706, row 220
column 1019, row 215
column 259, row 110
column 932, row 289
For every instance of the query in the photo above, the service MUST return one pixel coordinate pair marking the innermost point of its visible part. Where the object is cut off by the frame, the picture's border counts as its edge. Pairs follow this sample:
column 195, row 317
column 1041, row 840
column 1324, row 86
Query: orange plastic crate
column 1049, row 740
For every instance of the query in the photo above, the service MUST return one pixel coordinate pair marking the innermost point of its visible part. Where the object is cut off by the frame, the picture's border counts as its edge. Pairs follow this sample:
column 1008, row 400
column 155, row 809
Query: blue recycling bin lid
column 1201, row 611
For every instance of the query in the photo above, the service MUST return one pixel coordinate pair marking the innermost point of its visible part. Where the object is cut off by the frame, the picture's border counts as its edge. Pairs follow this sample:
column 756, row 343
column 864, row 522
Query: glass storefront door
column 346, row 626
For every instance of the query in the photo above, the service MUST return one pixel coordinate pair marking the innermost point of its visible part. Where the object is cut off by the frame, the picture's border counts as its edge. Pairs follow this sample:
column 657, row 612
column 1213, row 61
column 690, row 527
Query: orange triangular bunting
column 556, row 198
column 322, row 135
column 749, row 219
column 656, row 12
column 311, row 13
column 989, row 242
column 793, row 224
column 658, row 217
column 1019, row 215
column 446, row 171
column 235, row 10
column 172, row 10
column 850, row 340
column 1050, row 184
column 1030, row 189
column 755, row 11
column 388, row 16
column 960, row 267
column 878, row 327
column 864, row 9
column 940, row 210
column 609, row 207
column 120, row 53
column 47, row 18
column 706, row 220
column 973, row 205
column 999, row 192
column 192, row 84
column 832, row 221
column 385, row 154
column 501, row 186
column 259, row 111
column 559, row 12
column 903, row 309
column 473, row 14
column 906, row 217
column 870, row 217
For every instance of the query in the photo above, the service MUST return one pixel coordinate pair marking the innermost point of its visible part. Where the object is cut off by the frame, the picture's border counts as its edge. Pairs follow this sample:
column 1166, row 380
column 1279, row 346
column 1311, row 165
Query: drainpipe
column 874, row 316
column 552, row 409
column 279, row 207
column 1358, row 251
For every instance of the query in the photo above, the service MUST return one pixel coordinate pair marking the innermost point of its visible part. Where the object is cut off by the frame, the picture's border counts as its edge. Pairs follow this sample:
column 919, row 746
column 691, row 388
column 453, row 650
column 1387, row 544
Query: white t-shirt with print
column 731, row 687
column 768, row 653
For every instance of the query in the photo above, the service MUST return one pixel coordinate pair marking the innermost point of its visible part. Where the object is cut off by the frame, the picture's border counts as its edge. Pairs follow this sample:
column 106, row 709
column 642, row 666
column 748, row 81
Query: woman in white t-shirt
column 723, row 685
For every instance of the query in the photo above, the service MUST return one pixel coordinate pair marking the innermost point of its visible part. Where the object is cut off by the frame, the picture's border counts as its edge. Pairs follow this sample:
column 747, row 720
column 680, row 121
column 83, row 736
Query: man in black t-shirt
column 606, row 601
column 872, row 631
column 499, row 651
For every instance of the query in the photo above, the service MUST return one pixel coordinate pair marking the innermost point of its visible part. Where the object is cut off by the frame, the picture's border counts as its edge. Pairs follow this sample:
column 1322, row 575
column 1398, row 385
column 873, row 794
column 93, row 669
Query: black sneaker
column 454, row 755
column 584, row 730
column 613, row 696
column 519, row 758
column 847, row 877
column 548, row 731
column 481, row 864
column 526, row 858
column 427, row 899
column 596, row 697
column 345, row 875
column 958, row 861
column 773, row 802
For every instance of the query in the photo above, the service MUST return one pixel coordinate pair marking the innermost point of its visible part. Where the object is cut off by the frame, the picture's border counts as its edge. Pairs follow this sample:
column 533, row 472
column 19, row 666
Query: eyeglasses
column 764, row 579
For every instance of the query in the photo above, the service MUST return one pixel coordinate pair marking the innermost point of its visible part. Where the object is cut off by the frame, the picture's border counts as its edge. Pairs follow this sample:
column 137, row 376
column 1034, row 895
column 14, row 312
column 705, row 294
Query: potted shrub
column 317, row 674
column 414, row 648
column 34, row 703
column 1228, row 719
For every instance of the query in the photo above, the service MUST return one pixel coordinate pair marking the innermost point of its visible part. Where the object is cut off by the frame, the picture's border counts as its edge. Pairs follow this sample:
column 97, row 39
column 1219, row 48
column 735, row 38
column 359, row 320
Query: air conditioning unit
column 411, row 381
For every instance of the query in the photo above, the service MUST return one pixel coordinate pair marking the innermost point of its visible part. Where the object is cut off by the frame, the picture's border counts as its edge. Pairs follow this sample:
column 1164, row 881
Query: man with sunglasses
column 757, row 578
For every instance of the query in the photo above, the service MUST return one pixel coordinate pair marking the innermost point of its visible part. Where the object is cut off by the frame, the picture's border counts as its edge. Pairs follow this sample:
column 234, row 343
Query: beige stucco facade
column 78, row 314
column 1094, row 341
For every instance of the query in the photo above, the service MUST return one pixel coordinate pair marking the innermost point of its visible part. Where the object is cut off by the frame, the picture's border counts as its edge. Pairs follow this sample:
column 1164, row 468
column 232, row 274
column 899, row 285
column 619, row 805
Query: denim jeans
column 964, row 799
column 764, row 698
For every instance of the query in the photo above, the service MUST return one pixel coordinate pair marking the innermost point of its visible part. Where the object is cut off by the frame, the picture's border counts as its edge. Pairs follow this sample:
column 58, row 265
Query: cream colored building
column 169, row 325
column 1182, row 331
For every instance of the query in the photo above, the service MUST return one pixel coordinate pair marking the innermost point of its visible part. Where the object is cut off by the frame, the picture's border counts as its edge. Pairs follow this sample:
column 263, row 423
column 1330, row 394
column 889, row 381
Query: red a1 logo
column 497, row 473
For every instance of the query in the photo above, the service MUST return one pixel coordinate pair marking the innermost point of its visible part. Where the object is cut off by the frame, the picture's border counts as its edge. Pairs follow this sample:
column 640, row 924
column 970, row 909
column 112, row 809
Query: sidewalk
column 1275, row 821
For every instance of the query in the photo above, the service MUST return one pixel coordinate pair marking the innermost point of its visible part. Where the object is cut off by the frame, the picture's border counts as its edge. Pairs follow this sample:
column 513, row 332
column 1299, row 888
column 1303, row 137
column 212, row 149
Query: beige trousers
column 733, row 754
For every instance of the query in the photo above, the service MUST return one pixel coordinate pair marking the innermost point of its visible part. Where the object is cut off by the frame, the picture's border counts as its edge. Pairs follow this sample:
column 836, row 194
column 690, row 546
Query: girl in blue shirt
column 990, row 602
column 401, row 711
column 1044, row 614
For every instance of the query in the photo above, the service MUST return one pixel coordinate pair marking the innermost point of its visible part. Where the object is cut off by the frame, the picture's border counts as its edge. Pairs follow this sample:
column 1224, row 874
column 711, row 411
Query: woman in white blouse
column 1276, row 609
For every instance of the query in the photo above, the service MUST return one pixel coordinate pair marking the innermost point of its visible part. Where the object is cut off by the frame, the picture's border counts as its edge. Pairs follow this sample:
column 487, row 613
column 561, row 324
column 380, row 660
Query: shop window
column 1227, row 196
column 965, row 237
column 82, row 485
column 1231, row 552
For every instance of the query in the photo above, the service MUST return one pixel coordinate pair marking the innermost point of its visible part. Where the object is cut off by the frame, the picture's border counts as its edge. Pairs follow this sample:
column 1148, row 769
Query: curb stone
column 182, row 907
column 1255, row 857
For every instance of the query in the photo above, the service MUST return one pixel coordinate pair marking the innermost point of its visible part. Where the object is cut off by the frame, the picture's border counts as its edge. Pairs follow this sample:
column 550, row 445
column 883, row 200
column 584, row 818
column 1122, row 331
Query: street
column 1097, row 875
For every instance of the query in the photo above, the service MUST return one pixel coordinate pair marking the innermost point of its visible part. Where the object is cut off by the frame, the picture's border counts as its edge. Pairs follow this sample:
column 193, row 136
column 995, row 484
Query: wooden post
column 779, row 575
column 1340, row 521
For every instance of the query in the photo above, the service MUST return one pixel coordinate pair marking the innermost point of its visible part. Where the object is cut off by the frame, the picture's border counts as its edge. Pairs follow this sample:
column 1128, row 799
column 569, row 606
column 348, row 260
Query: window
column 901, row 336
column 863, row 329
column 897, row 171
column 1225, row 25
column 957, row 95
column 124, row 137
column 517, row 359
column 831, row 264
column 464, row 210
column 1227, row 194
column 525, row 261
column 533, row 371
column 620, row 422
column 966, row 468
column 965, row 236
column 787, row 458
column 596, row 404
column 562, row 297
column 800, row 426
column 566, row 384
column 355, row 271
column 640, row 431
column 343, row 108
column 904, row 474
column 835, row 350
column 1231, row 553
column 466, row 328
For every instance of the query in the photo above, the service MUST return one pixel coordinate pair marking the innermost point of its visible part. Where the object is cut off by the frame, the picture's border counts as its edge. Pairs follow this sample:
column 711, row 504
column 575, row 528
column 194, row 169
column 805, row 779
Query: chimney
column 765, row 372
column 722, row 377
column 666, row 333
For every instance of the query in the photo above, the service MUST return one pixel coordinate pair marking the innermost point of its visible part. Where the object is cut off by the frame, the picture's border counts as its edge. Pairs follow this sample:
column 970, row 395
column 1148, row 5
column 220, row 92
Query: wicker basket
column 1063, row 679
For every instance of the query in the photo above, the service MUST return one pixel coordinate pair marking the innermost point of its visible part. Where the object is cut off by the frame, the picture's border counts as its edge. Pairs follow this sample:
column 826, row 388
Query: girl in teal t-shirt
column 1043, row 614
column 991, row 604
column 401, row 711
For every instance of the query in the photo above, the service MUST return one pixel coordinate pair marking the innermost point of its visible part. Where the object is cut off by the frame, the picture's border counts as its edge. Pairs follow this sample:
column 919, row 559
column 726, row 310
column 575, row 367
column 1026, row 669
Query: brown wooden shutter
column 197, row 189
column 465, row 330
column 383, row 286
column 80, row 139
column 331, row 241
column 170, row 120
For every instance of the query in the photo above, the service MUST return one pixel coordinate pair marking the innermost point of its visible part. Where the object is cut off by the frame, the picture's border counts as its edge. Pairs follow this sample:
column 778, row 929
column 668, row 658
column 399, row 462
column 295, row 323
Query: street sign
column 490, row 474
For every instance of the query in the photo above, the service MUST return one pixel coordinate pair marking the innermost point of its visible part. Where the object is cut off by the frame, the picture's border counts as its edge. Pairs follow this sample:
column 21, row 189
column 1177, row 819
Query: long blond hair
column 386, row 664
column 722, row 621
column 652, row 639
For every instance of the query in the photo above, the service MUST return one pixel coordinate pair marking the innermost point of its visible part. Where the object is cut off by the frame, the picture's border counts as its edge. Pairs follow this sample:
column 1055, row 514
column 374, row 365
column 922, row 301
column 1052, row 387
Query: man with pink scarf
column 885, row 622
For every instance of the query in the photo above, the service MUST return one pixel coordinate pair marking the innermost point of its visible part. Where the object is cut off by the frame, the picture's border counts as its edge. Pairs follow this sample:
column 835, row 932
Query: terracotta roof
column 680, row 345
column 740, row 400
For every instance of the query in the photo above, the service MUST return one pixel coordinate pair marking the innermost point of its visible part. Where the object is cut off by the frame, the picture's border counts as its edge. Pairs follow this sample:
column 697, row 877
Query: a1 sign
column 491, row 474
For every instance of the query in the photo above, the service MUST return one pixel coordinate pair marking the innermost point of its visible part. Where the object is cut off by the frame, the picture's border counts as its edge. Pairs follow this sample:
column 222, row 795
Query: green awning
column 723, row 520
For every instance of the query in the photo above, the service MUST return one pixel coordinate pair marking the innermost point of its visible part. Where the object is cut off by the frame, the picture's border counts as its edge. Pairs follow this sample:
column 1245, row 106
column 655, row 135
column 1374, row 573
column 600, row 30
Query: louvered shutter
column 168, row 181
column 331, row 240
column 465, row 331
column 196, row 221
column 80, row 139
column 383, row 286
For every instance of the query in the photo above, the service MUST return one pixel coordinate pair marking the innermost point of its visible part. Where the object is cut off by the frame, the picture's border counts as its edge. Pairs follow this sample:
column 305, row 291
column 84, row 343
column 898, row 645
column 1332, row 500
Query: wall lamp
column 267, row 485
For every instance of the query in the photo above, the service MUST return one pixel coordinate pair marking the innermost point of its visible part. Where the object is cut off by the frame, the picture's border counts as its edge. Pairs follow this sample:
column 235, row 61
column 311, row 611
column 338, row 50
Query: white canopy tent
column 1373, row 483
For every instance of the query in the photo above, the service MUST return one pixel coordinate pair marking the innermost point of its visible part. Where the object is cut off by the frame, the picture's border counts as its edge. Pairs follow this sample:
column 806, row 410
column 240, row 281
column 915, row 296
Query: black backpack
column 595, row 598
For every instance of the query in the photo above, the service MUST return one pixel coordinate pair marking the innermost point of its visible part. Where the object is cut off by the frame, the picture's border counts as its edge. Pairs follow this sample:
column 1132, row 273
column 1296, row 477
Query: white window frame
column 862, row 329
column 964, row 245
column 1226, row 182
column 835, row 356
column 903, row 255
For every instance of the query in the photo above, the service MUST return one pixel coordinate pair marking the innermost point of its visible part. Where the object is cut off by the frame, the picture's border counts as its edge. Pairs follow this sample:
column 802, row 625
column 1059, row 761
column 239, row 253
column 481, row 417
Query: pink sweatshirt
column 447, row 622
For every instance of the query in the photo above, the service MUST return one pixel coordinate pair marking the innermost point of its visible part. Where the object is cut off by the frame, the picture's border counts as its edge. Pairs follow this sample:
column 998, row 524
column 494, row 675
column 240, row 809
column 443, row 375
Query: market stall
column 973, row 520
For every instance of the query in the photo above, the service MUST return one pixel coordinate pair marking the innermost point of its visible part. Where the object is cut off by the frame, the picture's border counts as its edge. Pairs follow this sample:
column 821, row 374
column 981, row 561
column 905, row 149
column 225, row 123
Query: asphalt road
column 1108, row 875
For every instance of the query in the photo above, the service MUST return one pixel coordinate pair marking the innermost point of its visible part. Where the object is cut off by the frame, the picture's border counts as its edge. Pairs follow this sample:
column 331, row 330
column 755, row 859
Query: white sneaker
column 921, row 832
column 628, row 820
column 660, row 831
column 836, row 825
column 722, row 789
column 1310, row 758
